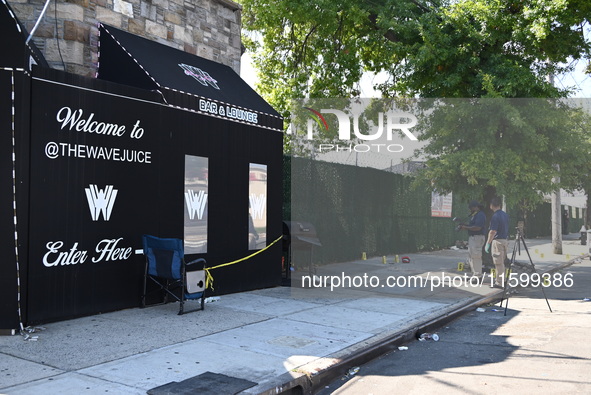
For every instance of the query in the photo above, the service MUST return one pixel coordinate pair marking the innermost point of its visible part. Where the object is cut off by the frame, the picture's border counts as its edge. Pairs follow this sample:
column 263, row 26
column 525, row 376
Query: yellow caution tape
column 209, row 277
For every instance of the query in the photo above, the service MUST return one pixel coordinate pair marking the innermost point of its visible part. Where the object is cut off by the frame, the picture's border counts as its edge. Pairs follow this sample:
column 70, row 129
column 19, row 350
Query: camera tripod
column 519, row 239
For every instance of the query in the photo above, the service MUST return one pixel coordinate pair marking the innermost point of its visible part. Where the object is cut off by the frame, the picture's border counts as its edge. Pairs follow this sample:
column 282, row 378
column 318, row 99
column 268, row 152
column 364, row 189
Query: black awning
column 14, row 52
column 184, row 80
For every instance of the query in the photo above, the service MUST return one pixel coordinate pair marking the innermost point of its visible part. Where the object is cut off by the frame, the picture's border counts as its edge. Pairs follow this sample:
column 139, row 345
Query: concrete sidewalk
column 277, row 338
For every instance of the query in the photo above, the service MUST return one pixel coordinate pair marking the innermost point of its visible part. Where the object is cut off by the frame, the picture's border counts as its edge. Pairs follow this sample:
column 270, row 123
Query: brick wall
column 208, row 28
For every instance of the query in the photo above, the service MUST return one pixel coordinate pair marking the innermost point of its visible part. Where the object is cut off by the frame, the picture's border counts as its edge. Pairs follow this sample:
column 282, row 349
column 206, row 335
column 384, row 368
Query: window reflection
column 257, row 207
column 196, row 194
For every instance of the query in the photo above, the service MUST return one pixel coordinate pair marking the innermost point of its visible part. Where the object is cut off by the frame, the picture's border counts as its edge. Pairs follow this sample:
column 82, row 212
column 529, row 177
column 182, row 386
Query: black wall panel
column 14, row 98
column 68, row 165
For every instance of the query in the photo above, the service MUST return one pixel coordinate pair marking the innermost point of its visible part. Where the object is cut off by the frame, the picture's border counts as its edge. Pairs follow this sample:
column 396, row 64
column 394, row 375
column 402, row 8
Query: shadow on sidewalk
column 476, row 340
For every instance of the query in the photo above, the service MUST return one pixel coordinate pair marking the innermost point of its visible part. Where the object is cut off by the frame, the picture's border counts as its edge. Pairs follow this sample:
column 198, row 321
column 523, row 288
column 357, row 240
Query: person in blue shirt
column 476, row 236
column 497, row 240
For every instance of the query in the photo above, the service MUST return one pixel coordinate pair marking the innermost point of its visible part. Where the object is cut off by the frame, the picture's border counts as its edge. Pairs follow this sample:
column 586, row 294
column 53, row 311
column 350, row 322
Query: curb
column 300, row 383
column 568, row 263
column 304, row 384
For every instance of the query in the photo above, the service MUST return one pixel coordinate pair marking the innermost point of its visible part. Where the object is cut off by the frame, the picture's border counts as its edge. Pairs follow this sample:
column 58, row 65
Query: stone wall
column 208, row 28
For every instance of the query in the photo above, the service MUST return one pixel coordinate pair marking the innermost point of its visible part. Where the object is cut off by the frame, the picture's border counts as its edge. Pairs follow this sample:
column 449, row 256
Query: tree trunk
column 587, row 217
column 556, row 206
column 556, row 220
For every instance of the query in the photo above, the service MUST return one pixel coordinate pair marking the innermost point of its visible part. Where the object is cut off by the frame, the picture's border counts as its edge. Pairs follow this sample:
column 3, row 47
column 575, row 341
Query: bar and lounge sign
column 214, row 107
column 227, row 111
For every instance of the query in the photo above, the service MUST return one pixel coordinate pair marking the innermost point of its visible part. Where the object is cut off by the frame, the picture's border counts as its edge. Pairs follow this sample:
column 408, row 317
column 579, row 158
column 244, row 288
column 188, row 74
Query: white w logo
column 195, row 203
column 258, row 204
column 100, row 201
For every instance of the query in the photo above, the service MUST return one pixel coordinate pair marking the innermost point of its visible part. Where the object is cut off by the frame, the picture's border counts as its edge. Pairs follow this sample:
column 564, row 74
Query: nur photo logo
column 355, row 127
column 318, row 118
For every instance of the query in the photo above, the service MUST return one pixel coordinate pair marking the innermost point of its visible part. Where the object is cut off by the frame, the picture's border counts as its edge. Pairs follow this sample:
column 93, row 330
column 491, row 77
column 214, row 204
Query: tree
column 483, row 48
column 321, row 48
column 489, row 49
column 529, row 136
column 465, row 48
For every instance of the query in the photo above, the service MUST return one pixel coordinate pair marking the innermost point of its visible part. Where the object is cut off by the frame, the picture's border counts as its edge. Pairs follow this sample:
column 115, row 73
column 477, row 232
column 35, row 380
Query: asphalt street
column 529, row 351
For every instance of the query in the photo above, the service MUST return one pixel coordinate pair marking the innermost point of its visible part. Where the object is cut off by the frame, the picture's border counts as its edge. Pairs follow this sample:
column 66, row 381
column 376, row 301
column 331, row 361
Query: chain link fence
column 363, row 210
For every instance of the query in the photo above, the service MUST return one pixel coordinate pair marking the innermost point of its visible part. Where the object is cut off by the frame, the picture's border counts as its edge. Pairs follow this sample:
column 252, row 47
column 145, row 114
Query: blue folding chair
column 166, row 266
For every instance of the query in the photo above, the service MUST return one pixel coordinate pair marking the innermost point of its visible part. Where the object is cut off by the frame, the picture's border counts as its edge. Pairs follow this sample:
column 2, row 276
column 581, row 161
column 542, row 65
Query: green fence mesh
column 358, row 209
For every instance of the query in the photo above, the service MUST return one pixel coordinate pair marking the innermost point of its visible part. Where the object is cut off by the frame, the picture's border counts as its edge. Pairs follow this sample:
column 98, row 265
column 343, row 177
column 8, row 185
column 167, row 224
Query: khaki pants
column 475, row 244
column 499, row 254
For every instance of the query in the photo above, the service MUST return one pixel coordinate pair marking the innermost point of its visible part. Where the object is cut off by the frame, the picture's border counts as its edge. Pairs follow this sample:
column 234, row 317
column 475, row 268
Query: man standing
column 497, row 239
column 476, row 232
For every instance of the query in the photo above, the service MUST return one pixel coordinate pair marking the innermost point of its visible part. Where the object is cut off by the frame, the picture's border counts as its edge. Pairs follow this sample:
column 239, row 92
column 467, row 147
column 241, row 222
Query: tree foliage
column 465, row 48
column 479, row 148
column 490, row 49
